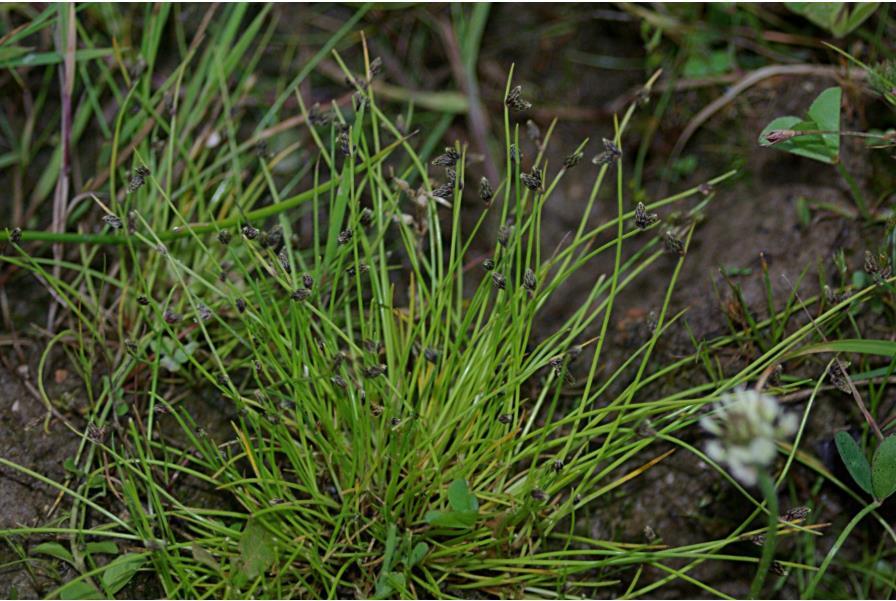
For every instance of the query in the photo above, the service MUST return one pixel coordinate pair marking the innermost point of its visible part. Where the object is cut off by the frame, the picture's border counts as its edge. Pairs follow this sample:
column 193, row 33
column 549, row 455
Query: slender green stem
column 767, row 486
column 810, row 590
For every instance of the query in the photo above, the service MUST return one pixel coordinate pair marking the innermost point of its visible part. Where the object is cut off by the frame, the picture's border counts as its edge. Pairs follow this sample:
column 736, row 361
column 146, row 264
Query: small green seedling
column 877, row 478
column 173, row 354
column 391, row 581
column 464, row 508
column 792, row 134
column 115, row 575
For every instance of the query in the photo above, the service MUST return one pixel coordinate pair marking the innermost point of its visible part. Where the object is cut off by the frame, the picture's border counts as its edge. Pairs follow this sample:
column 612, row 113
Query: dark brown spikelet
column 451, row 178
column 529, row 280
column 339, row 381
column 345, row 144
column 445, row 191
column 515, row 100
column 112, row 221
column 572, row 159
column 878, row 267
column 504, row 234
column 273, row 238
column 643, row 219
column 539, row 495
column 532, row 180
column 485, row 190
column 795, row 514
column 172, row 316
column 366, row 217
column 308, row 281
column 318, row 116
column 557, row 465
column 240, row 305
column 345, row 236
column 505, row 418
column 250, row 232
column 283, row 259
column 203, row 313
column 499, row 281
column 516, row 155
column 300, row 295
column 611, row 153
column 488, row 264
column 142, row 300
column 374, row 371
column 96, row 434
column 431, row 354
column 839, row 377
column 673, row 243
column 448, row 159
column 352, row 270
column 224, row 237
column 138, row 178
column 376, row 67
column 15, row 236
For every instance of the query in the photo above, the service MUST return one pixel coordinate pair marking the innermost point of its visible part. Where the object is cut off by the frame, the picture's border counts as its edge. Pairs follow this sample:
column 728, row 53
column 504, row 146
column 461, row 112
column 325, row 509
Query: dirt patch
column 25, row 500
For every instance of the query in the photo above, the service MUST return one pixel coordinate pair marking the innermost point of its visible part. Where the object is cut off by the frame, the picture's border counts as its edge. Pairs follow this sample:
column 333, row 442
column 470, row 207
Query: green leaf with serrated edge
column 854, row 460
column 883, row 469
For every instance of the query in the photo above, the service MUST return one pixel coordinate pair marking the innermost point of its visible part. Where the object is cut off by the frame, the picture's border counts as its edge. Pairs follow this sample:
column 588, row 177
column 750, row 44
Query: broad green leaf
column 78, row 589
column 883, row 469
column 256, row 550
column 809, row 146
column 389, row 583
column 460, row 498
column 840, row 18
column 823, row 115
column 854, row 460
column 120, row 570
column 69, row 465
column 55, row 550
column 715, row 62
column 203, row 556
column 451, row 519
column 417, row 554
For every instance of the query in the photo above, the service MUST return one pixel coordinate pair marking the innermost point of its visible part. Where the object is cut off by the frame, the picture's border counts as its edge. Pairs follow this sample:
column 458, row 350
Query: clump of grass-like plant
column 400, row 423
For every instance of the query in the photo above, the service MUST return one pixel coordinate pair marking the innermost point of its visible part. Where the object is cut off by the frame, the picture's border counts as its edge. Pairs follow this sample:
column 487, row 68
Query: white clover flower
column 747, row 424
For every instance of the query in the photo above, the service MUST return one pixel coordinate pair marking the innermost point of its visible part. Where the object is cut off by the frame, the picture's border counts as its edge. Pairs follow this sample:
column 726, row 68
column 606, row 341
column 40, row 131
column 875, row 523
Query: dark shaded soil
column 26, row 501
column 681, row 499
